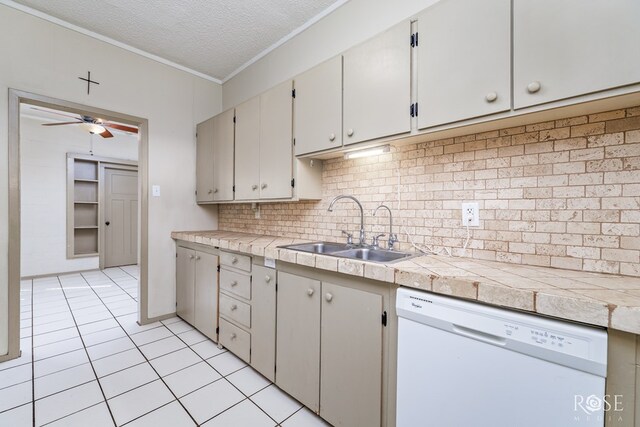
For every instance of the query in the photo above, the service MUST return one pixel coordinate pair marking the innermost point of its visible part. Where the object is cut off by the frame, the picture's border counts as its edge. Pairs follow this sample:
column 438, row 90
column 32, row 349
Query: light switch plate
column 155, row 190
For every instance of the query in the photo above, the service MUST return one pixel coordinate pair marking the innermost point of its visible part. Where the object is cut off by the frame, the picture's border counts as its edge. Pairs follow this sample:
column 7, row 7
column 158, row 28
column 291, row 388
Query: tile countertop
column 594, row 298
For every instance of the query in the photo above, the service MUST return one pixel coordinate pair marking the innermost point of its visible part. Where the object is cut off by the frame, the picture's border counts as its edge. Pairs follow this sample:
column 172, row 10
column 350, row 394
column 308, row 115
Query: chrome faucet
column 392, row 237
column 362, row 237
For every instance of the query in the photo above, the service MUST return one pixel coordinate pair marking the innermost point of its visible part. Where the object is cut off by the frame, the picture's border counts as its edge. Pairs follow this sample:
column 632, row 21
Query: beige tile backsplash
column 563, row 193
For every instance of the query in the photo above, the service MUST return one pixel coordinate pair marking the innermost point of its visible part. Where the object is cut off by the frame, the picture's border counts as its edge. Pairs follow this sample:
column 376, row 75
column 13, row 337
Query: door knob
column 328, row 297
column 350, row 132
column 267, row 278
column 310, row 292
column 491, row 96
column 332, row 137
column 534, row 86
column 107, row 223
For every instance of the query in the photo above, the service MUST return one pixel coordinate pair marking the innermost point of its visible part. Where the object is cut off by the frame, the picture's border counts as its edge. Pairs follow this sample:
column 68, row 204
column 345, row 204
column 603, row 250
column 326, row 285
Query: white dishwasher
column 466, row 364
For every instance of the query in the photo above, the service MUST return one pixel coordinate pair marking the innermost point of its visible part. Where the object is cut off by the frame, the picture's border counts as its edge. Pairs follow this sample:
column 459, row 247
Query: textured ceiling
column 214, row 37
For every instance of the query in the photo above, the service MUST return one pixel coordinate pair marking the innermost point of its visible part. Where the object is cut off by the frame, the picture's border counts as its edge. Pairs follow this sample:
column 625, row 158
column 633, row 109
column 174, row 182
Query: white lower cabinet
column 197, row 289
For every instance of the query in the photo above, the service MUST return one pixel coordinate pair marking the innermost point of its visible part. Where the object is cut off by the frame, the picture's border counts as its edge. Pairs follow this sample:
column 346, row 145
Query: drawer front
column 236, row 340
column 235, row 310
column 241, row 262
column 235, row 283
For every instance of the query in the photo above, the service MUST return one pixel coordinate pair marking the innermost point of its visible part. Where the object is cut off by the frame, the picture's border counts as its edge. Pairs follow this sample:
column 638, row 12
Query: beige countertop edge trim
column 541, row 301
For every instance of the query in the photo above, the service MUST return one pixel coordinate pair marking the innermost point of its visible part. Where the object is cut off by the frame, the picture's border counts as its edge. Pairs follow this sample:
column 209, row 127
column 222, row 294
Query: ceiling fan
column 90, row 124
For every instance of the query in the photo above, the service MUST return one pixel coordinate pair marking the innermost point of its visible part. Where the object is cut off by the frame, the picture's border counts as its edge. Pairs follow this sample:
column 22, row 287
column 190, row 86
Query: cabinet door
column 318, row 108
column 573, row 47
column 204, row 161
column 298, row 338
column 351, row 357
column 377, row 82
column 223, row 134
column 206, row 294
column 463, row 69
column 276, row 142
column 263, row 322
column 247, row 157
column 185, row 284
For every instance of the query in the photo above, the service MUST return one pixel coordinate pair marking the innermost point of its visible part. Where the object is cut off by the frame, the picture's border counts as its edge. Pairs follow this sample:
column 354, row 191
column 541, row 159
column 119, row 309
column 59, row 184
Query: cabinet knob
column 197, row 257
column 234, row 307
column 254, row 187
column 328, row 297
column 350, row 132
column 191, row 256
column 267, row 278
column 234, row 260
column 210, row 191
column 233, row 336
column 263, row 186
column 215, row 190
column 332, row 137
column 491, row 96
column 234, row 283
column 534, row 86
column 310, row 292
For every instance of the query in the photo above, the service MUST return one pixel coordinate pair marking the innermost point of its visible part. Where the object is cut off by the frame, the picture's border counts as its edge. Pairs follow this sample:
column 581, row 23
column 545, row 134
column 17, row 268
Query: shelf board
column 85, row 180
column 78, row 202
column 86, row 227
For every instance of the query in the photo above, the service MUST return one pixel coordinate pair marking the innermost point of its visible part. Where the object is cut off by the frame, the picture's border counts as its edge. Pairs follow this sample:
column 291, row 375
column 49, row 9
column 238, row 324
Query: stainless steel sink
column 343, row 250
column 319, row 247
column 374, row 255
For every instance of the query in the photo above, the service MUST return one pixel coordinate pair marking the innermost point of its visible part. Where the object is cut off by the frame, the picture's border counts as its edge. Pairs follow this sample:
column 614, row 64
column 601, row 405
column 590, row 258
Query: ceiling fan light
column 93, row 128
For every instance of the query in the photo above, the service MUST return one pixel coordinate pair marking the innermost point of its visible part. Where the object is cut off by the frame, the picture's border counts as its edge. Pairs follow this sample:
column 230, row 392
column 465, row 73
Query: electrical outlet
column 470, row 214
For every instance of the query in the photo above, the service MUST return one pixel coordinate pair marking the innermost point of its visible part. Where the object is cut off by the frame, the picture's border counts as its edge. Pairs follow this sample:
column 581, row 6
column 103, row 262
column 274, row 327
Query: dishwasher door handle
column 479, row 335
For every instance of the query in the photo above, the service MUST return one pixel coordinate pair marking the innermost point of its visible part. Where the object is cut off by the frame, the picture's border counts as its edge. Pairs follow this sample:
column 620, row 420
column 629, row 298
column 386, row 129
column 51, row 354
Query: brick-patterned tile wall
column 564, row 193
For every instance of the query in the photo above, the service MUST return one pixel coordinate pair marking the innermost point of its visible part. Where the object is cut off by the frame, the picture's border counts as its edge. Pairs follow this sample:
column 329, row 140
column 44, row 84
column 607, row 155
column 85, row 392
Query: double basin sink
column 343, row 250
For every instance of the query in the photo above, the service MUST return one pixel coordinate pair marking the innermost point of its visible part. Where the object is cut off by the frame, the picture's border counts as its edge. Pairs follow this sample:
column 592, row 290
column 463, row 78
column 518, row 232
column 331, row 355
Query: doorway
column 16, row 99
column 120, row 216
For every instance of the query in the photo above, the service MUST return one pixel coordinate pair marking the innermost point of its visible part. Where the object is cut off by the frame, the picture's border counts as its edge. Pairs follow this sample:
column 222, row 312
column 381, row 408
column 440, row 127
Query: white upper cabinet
column 318, row 108
column 276, row 142
column 247, row 158
column 204, row 161
column 377, row 86
column 573, row 47
column 223, row 134
column 464, row 60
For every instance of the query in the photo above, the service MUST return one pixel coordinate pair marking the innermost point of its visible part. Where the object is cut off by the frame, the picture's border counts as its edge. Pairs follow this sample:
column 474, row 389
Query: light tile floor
column 86, row 361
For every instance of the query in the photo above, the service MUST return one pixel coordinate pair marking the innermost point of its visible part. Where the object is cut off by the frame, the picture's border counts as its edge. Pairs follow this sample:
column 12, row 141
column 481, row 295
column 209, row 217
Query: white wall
column 43, row 191
column 41, row 57
column 349, row 25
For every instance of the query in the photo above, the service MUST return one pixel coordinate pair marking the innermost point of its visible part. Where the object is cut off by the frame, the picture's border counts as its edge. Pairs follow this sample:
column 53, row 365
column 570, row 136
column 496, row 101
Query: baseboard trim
column 40, row 276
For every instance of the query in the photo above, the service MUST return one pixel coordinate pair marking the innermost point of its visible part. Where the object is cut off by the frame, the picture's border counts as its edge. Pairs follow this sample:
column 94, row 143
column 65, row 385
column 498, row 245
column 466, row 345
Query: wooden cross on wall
column 89, row 82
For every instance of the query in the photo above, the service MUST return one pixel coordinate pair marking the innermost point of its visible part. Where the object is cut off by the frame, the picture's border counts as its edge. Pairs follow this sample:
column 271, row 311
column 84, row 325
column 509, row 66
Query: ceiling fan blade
column 60, row 124
column 120, row 127
column 55, row 112
column 106, row 134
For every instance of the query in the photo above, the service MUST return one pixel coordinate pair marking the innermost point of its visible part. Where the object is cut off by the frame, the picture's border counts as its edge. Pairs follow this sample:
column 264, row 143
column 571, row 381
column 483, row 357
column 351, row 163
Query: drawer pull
column 234, row 283
column 332, row 137
column 328, row 297
column 350, row 132
column 534, row 87
column 267, row 278
column 491, row 96
column 234, row 307
column 233, row 336
column 234, row 260
column 310, row 292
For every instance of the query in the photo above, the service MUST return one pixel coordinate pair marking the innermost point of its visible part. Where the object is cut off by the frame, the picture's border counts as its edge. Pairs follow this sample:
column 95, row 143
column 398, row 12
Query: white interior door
column 120, row 217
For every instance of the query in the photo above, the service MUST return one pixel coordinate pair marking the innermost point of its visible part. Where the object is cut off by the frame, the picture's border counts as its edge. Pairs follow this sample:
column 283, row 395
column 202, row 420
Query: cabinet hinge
column 217, row 329
column 294, row 141
column 293, row 182
column 384, row 318
column 218, row 269
column 413, row 110
column 234, row 119
column 196, row 134
column 176, row 255
column 293, row 93
column 196, row 192
column 233, row 189
column 414, row 39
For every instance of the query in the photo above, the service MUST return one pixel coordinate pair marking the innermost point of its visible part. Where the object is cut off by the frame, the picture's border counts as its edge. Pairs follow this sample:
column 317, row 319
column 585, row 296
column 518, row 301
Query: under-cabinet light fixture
column 368, row 152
